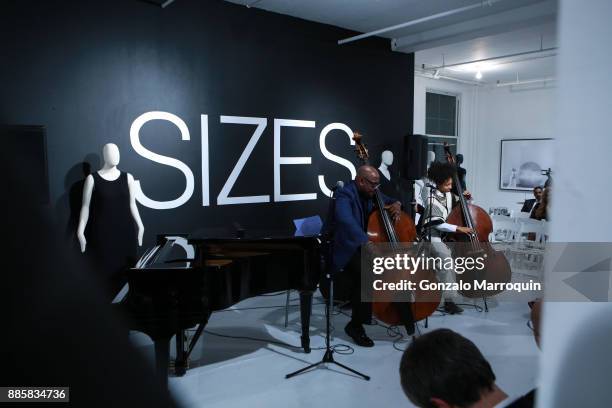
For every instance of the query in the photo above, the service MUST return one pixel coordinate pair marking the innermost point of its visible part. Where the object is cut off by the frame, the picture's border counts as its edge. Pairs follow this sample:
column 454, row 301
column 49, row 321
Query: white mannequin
column 386, row 160
column 431, row 157
column 109, row 172
column 419, row 184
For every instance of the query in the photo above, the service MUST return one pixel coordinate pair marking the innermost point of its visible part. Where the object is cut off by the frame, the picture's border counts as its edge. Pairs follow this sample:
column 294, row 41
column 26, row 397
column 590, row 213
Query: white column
column 576, row 353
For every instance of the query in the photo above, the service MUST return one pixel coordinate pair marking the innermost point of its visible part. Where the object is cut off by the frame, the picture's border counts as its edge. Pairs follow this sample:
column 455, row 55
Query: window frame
column 457, row 97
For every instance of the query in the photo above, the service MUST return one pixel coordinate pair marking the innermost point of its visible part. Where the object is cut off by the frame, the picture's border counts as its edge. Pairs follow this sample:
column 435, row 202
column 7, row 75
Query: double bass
column 496, row 266
column 382, row 229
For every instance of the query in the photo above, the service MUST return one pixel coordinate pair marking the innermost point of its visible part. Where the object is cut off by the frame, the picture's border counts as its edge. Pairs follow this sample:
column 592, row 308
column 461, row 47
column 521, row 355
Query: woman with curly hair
column 438, row 203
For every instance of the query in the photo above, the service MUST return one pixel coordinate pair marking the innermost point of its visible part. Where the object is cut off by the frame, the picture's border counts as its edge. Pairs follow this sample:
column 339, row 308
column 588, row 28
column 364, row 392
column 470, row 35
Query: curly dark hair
column 440, row 172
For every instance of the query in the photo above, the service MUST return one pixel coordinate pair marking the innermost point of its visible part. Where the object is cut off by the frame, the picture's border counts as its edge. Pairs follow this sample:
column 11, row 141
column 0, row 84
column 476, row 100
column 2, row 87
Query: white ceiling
column 526, row 67
column 504, row 27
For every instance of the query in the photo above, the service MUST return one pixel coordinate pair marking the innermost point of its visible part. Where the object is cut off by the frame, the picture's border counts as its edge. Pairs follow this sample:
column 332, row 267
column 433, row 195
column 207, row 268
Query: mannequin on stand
column 386, row 160
column 387, row 186
column 109, row 222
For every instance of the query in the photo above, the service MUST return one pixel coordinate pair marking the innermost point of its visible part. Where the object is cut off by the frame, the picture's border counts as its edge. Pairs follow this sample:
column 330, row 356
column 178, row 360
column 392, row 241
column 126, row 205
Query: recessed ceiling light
column 478, row 75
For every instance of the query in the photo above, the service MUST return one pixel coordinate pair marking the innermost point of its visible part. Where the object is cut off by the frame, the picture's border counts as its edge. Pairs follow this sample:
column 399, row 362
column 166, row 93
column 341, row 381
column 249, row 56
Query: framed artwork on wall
column 524, row 163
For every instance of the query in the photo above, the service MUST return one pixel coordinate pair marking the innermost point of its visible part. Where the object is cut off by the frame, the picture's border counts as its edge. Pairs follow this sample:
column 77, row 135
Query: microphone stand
column 431, row 193
column 328, row 357
column 428, row 235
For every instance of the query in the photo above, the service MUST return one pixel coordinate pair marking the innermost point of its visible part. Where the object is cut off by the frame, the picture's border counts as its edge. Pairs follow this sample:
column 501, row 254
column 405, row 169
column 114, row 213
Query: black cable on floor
column 392, row 331
column 474, row 305
column 341, row 348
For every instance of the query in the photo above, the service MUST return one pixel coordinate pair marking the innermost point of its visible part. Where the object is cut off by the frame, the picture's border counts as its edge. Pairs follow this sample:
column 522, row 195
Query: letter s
column 333, row 157
column 158, row 158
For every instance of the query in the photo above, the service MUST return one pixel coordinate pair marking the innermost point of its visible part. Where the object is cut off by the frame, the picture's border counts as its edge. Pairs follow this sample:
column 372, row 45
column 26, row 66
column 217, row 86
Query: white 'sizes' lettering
column 224, row 198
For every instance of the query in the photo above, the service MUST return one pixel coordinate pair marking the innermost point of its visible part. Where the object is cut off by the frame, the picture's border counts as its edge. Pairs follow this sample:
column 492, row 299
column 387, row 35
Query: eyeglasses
column 373, row 184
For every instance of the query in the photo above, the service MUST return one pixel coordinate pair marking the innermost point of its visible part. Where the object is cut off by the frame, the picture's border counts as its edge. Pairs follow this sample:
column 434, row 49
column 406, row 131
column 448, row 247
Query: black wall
column 87, row 69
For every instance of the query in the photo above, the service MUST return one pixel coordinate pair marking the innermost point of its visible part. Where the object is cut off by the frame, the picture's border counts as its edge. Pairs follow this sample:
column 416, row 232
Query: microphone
column 339, row 185
column 431, row 186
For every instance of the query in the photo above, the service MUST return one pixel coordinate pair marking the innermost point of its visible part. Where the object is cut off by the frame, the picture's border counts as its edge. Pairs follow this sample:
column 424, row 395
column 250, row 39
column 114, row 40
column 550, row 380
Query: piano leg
column 182, row 356
column 180, row 364
column 305, row 312
column 162, row 353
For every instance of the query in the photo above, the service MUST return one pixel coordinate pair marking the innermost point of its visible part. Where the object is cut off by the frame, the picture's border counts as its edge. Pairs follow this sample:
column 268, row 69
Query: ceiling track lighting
column 480, row 4
column 428, row 74
column 518, row 54
column 525, row 82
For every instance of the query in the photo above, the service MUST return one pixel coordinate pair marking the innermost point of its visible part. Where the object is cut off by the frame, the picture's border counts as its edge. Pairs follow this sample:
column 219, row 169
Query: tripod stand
column 328, row 357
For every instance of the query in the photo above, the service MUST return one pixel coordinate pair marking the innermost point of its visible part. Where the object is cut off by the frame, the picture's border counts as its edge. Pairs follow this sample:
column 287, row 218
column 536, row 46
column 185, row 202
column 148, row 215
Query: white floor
column 245, row 373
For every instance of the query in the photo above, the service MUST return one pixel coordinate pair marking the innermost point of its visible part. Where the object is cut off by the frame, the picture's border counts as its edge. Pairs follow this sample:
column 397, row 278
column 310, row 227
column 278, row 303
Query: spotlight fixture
column 478, row 75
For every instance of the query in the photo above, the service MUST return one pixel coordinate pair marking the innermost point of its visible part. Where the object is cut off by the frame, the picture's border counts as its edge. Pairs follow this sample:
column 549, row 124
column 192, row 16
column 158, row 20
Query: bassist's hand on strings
column 467, row 195
column 395, row 210
column 465, row 230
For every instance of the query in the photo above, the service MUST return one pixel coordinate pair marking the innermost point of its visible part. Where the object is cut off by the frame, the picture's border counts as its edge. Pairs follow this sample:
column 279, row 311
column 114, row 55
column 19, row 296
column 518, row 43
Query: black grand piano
column 177, row 284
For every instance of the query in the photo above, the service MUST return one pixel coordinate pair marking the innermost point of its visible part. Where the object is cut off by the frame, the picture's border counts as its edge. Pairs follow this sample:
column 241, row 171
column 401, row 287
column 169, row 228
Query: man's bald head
column 367, row 171
column 367, row 180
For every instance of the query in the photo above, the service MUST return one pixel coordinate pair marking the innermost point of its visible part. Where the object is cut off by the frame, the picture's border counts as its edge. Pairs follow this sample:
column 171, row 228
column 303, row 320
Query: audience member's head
column 541, row 213
column 537, row 193
column 444, row 369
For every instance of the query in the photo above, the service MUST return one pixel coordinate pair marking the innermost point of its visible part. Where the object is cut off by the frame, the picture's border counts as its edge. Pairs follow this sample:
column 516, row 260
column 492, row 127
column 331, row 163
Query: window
column 441, row 121
column 441, row 114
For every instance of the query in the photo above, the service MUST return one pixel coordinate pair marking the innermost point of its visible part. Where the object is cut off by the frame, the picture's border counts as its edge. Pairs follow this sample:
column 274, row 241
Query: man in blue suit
column 353, row 205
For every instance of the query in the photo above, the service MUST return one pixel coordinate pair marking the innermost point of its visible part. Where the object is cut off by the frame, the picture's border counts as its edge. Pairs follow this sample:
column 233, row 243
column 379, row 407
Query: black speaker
column 414, row 159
